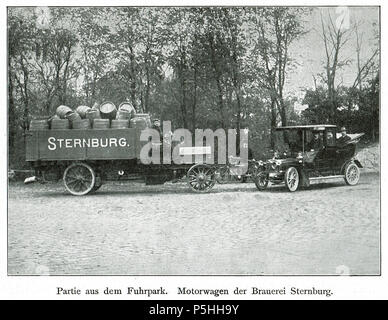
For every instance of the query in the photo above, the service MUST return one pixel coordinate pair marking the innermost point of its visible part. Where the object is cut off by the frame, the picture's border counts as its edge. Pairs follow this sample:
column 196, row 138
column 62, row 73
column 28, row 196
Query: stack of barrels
column 103, row 116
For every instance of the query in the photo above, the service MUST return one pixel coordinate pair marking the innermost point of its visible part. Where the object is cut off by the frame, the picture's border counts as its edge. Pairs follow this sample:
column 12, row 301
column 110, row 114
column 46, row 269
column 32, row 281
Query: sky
column 309, row 50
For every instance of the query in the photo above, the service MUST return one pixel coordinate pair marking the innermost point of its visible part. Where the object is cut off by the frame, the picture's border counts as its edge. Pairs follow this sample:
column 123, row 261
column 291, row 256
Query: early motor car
column 307, row 153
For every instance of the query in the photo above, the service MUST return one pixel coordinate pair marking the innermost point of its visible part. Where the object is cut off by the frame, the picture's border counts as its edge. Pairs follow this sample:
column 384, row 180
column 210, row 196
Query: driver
column 316, row 142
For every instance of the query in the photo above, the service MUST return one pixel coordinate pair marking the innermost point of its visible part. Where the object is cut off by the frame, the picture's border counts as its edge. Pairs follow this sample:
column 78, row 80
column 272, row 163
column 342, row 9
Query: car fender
column 355, row 161
column 358, row 163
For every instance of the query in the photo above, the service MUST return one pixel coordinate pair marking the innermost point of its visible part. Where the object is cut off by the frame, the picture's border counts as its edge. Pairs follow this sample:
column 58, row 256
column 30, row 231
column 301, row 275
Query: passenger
column 316, row 142
column 344, row 137
column 330, row 138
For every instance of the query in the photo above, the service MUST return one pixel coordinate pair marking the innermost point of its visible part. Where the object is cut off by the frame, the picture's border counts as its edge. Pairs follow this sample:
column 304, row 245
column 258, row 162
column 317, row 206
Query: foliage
column 199, row 67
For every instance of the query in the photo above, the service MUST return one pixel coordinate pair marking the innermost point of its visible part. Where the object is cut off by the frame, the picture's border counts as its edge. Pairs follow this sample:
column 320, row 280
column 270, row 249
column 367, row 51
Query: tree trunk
column 273, row 122
column 11, row 109
column 238, row 119
column 183, row 97
column 283, row 118
column 133, row 80
column 194, row 106
column 217, row 77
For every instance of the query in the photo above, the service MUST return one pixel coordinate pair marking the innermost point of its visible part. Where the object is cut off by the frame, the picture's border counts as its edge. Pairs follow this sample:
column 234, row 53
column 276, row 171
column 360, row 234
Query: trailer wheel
column 79, row 178
column 201, row 177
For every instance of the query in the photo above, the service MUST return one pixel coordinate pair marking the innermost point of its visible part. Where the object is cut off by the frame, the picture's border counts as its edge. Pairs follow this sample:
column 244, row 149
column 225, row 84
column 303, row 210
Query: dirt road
column 136, row 229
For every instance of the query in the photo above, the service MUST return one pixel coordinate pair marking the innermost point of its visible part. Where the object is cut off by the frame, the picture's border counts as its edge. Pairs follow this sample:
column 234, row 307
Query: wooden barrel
column 108, row 110
column 138, row 123
column 39, row 125
column 82, row 124
column 123, row 115
column 93, row 114
column 120, row 124
column 145, row 116
column 127, row 106
column 101, row 123
column 73, row 116
column 60, row 124
column 82, row 110
column 62, row 111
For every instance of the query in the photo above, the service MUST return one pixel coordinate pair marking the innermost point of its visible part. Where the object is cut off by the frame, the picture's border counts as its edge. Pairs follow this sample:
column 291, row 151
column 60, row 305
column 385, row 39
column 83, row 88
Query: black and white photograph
column 193, row 140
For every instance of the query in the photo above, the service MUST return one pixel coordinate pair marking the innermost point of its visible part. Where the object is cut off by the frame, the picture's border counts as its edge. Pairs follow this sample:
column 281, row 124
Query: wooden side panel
column 32, row 139
column 109, row 144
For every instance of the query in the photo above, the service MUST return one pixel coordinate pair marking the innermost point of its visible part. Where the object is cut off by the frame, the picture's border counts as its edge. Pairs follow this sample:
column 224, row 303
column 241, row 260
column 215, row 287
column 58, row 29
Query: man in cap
column 344, row 137
column 156, row 125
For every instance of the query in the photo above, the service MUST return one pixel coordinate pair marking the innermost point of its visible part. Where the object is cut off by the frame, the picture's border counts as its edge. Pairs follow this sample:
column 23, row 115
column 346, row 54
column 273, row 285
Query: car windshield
column 288, row 141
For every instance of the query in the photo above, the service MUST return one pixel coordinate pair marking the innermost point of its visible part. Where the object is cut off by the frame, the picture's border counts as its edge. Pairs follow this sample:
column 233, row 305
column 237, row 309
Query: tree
column 20, row 48
column 273, row 31
column 335, row 37
column 96, row 50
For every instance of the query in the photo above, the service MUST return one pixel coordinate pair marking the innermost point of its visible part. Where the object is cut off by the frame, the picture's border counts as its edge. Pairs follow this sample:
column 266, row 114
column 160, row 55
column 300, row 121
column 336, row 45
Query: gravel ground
column 133, row 229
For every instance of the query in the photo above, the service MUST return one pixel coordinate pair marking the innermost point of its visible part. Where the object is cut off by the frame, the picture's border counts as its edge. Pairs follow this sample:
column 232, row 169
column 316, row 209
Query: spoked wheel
column 291, row 178
column 352, row 174
column 261, row 181
column 201, row 178
column 79, row 178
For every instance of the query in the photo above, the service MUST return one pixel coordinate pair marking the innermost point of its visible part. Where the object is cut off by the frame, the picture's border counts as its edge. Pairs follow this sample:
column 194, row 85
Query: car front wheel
column 291, row 179
column 261, row 181
column 352, row 174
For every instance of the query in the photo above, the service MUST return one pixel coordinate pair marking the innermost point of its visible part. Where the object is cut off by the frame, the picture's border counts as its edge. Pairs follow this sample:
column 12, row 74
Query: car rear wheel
column 352, row 174
column 291, row 179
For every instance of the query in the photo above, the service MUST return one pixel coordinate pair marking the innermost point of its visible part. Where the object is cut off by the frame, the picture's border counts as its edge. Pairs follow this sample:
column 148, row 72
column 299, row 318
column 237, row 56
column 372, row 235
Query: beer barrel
column 62, row 111
column 108, row 110
column 73, row 116
column 39, row 125
column 101, row 123
column 120, row 124
column 82, row 124
column 82, row 110
column 138, row 123
column 127, row 106
column 123, row 115
column 60, row 124
column 146, row 117
column 93, row 114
